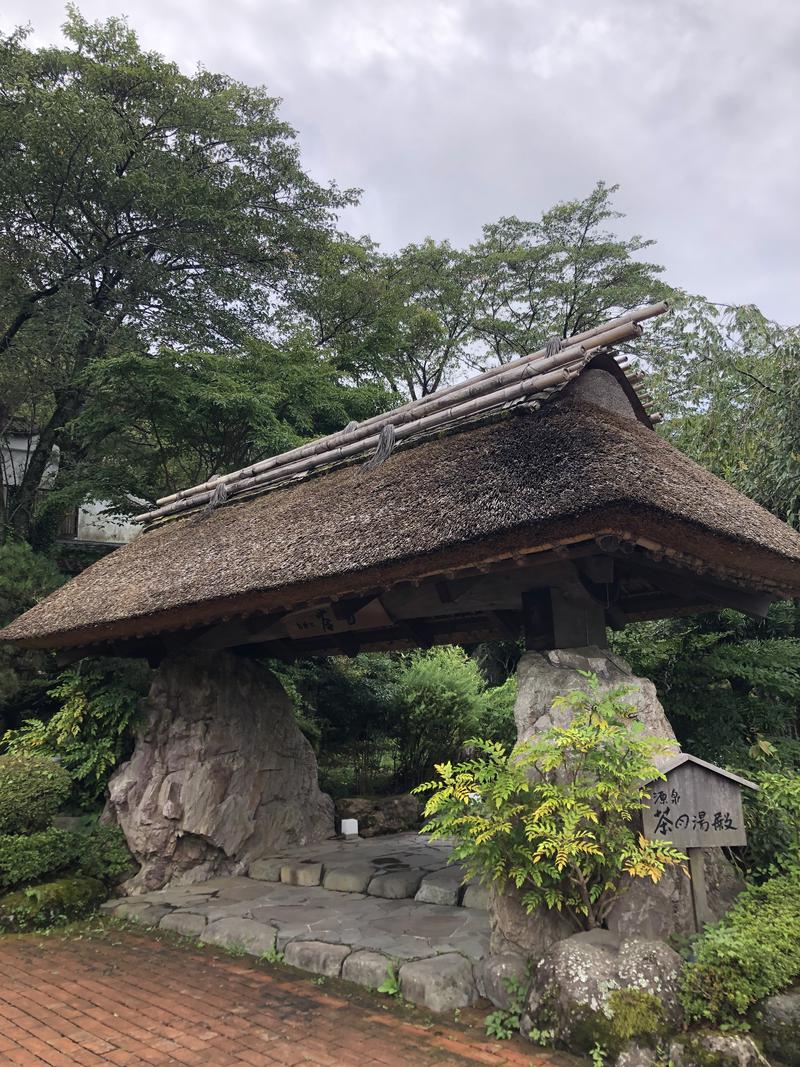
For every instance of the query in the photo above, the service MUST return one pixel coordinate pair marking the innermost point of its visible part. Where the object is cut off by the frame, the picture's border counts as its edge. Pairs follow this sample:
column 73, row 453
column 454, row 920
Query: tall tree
column 556, row 276
column 136, row 203
column 728, row 378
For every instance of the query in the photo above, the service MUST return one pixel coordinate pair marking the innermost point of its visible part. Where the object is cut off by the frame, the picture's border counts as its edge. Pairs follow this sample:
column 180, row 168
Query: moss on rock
column 38, row 906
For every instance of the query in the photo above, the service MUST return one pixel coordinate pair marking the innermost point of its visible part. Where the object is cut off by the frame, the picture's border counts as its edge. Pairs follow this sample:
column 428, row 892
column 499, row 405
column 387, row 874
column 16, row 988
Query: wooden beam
column 235, row 632
column 537, row 618
column 686, row 586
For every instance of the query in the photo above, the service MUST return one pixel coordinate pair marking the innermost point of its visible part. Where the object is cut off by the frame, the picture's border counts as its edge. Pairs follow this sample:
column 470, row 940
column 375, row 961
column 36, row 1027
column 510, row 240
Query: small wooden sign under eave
column 696, row 806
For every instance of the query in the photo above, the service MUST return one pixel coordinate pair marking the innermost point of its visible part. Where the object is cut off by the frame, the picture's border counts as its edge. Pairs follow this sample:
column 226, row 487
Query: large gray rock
column 586, row 985
column 396, row 884
column 657, row 911
column 529, row 934
column 499, row 977
column 317, row 956
column 710, row 1047
column 221, row 774
column 780, row 1026
column 239, row 933
column 370, row 969
column 646, row 910
column 441, row 983
column 542, row 676
column 441, row 887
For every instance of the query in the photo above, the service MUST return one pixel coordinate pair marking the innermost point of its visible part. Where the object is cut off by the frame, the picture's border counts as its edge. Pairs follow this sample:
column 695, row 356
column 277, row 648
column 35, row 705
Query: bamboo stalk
column 537, row 373
column 536, row 360
column 531, row 384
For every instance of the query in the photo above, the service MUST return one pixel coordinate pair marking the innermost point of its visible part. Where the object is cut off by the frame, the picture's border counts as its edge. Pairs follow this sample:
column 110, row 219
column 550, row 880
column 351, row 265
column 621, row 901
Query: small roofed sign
column 697, row 805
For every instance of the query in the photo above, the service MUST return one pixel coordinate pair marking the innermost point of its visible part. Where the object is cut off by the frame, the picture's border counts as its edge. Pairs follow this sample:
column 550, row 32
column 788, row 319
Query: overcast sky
column 452, row 113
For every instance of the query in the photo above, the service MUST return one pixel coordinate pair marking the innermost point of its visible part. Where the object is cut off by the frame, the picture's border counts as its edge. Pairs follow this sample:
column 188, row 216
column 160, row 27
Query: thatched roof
column 584, row 466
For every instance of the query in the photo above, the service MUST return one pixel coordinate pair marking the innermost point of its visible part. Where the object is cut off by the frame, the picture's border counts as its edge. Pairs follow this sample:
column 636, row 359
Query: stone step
column 405, row 866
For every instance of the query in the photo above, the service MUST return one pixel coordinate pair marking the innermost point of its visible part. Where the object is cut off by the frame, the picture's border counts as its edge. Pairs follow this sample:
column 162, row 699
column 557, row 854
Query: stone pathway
column 108, row 997
column 352, row 909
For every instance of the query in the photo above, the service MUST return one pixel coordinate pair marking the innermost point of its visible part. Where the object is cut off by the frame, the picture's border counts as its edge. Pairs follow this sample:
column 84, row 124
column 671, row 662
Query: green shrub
column 39, row 906
column 753, row 953
column 772, row 816
column 555, row 817
column 92, row 731
column 32, row 789
column 440, row 702
column 496, row 712
column 103, row 854
column 28, row 858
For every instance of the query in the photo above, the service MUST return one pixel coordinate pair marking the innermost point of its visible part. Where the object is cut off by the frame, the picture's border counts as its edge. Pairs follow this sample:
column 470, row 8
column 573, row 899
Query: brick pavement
column 130, row 999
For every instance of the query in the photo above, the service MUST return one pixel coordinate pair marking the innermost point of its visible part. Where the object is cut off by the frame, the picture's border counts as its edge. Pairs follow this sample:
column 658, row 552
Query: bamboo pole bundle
column 538, row 360
column 537, row 373
column 537, row 385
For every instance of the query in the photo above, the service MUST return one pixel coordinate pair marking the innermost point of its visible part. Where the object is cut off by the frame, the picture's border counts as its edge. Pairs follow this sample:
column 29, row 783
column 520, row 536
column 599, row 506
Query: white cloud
column 450, row 113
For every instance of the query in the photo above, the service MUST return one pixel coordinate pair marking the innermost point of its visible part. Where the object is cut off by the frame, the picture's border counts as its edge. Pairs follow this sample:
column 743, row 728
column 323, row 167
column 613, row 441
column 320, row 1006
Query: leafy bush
column 554, row 817
column 347, row 708
column 25, row 675
column 92, row 730
column 103, row 854
column 40, row 906
column 26, row 858
column 32, row 789
column 772, row 816
column 753, row 953
column 440, row 697
column 496, row 712
column 726, row 681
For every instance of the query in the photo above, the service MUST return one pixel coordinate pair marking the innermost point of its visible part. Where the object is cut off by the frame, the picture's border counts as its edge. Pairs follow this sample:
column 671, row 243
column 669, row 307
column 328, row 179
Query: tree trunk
column 20, row 515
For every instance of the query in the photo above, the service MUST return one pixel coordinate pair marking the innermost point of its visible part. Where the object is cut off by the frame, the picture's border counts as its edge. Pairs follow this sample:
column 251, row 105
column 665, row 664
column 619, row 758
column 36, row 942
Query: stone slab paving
column 391, row 903
column 396, row 867
column 318, row 930
column 128, row 999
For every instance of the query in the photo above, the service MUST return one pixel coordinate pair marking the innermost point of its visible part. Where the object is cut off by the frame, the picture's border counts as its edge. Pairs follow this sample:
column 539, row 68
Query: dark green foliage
column 440, row 695
column 772, row 817
column 40, row 906
column 25, row 578
column 727, row 682
column 347, row 708
column 194, row 214
column 92, row 730
column 32, row 789
column 752, row 953
column 27, row 858
column 104, row 855
column 378, row 722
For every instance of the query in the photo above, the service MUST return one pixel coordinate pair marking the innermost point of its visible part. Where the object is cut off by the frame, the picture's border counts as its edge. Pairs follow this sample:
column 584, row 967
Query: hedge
column 42, row 905
column 31, row 857
column 753, row 953
column 32, row 789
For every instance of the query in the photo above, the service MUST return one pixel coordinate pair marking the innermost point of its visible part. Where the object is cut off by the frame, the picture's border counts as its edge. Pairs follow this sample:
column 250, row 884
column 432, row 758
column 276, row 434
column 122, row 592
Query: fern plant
column 556, row 817
column 92, row 730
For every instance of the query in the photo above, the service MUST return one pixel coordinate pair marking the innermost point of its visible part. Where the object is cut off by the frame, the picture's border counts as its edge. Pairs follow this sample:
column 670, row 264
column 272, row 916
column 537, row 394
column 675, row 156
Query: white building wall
column 95, row 524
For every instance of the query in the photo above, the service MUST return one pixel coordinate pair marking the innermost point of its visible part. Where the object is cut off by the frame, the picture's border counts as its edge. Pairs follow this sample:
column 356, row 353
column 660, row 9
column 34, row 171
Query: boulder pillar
column 644, row 910
column 220, row 775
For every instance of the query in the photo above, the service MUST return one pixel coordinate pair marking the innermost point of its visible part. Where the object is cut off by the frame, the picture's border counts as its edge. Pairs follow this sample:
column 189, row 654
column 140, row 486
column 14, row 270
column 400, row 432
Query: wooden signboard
column 697, row 806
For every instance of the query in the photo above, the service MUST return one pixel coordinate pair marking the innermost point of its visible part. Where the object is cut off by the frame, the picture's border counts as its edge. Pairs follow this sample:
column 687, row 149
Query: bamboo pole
column 536, row 360
column 531, row 384
column 493, row 388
